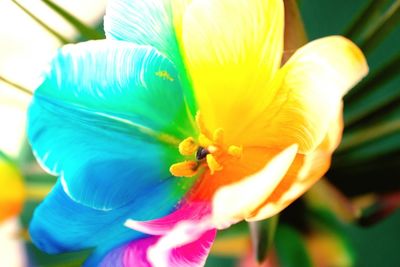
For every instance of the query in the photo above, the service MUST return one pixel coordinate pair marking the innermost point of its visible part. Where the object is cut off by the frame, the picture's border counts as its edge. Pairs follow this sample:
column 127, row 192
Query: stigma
column 202, row 153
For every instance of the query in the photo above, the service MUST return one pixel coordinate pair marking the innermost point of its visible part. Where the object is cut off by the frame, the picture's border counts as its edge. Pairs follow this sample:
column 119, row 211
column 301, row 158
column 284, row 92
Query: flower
column 12, row 193
column 12, row 196
column 182, row 122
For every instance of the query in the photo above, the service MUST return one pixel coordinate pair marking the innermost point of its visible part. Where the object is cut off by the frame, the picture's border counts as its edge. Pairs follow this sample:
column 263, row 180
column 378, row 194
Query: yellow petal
column 314, row 81
column 11, row 190
column 178, row 10
column 304, row 172
column 334, row 134
column 237, row 201
column 252, row 160
column 232, row 50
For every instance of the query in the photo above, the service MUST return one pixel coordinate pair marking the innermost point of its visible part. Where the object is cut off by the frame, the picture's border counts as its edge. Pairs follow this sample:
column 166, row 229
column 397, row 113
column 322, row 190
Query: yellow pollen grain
column 165, row 75
column 188, row 146
column 184, row 169
column 213, row 164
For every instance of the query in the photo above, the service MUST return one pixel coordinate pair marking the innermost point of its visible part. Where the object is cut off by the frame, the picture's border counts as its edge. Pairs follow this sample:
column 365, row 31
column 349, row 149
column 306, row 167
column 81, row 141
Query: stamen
column 188, row 146
column 184, row 169
column 204, row 141
column 213, row 164
column 200, row 123
column 218, row 136
column 235, row 151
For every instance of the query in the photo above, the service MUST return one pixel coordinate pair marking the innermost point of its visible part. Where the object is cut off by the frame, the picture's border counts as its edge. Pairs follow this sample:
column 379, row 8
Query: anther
column 235, row 151
column 184, row 169
column 218, row 136
column 213, row 164
column 188, row 146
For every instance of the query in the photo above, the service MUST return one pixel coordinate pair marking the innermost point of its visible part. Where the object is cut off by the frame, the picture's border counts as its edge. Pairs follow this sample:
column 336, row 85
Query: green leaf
column 366, row 17
column 385, row 25
column 377, row 245
column 365, row 135
column 4, row 157
column 291, row 248
column 85, row 31
column 72, row 259
column 213, row 261
column 376, row 151
column 61, row 38
column 382, row 76
column 262, row 236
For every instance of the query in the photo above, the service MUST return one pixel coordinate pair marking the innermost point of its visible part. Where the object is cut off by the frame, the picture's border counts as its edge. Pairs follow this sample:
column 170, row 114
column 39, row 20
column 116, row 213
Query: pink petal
column 193, row 211
column 138, row 253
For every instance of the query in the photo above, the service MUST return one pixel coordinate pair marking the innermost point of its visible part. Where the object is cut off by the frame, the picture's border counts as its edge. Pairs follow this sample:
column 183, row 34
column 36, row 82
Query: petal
column 145, row 22
column 232, row 50
column 121, row 122
column 304, row 172
column 187, row 245
column 193, row 211
column 151, row 22
column 313, row 83
column 235, row 169
column 334, row 135
column 228, row 208
column 60, row 224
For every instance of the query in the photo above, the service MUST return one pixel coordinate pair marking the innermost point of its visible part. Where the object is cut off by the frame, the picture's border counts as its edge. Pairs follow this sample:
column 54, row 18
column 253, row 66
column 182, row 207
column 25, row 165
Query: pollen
column 184, row 169
column 165, row 75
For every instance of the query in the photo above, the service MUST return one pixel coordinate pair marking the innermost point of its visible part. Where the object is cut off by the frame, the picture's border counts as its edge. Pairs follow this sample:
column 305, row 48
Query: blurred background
column 350, row 218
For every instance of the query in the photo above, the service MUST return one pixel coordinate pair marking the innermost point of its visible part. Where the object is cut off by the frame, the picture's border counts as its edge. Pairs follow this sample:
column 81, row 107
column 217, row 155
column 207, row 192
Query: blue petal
column 59, row 224
column 107, row 119
column 151, row 22
column 148, row 22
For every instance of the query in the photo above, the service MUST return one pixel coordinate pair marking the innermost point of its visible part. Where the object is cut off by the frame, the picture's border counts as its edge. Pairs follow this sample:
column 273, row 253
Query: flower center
column 203, row 152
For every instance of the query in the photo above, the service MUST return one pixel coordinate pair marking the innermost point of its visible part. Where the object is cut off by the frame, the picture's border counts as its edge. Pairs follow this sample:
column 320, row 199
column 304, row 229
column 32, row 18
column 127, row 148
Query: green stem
column 383, row 27
column 16, row 86
column 61, row 38
column 87, row 32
